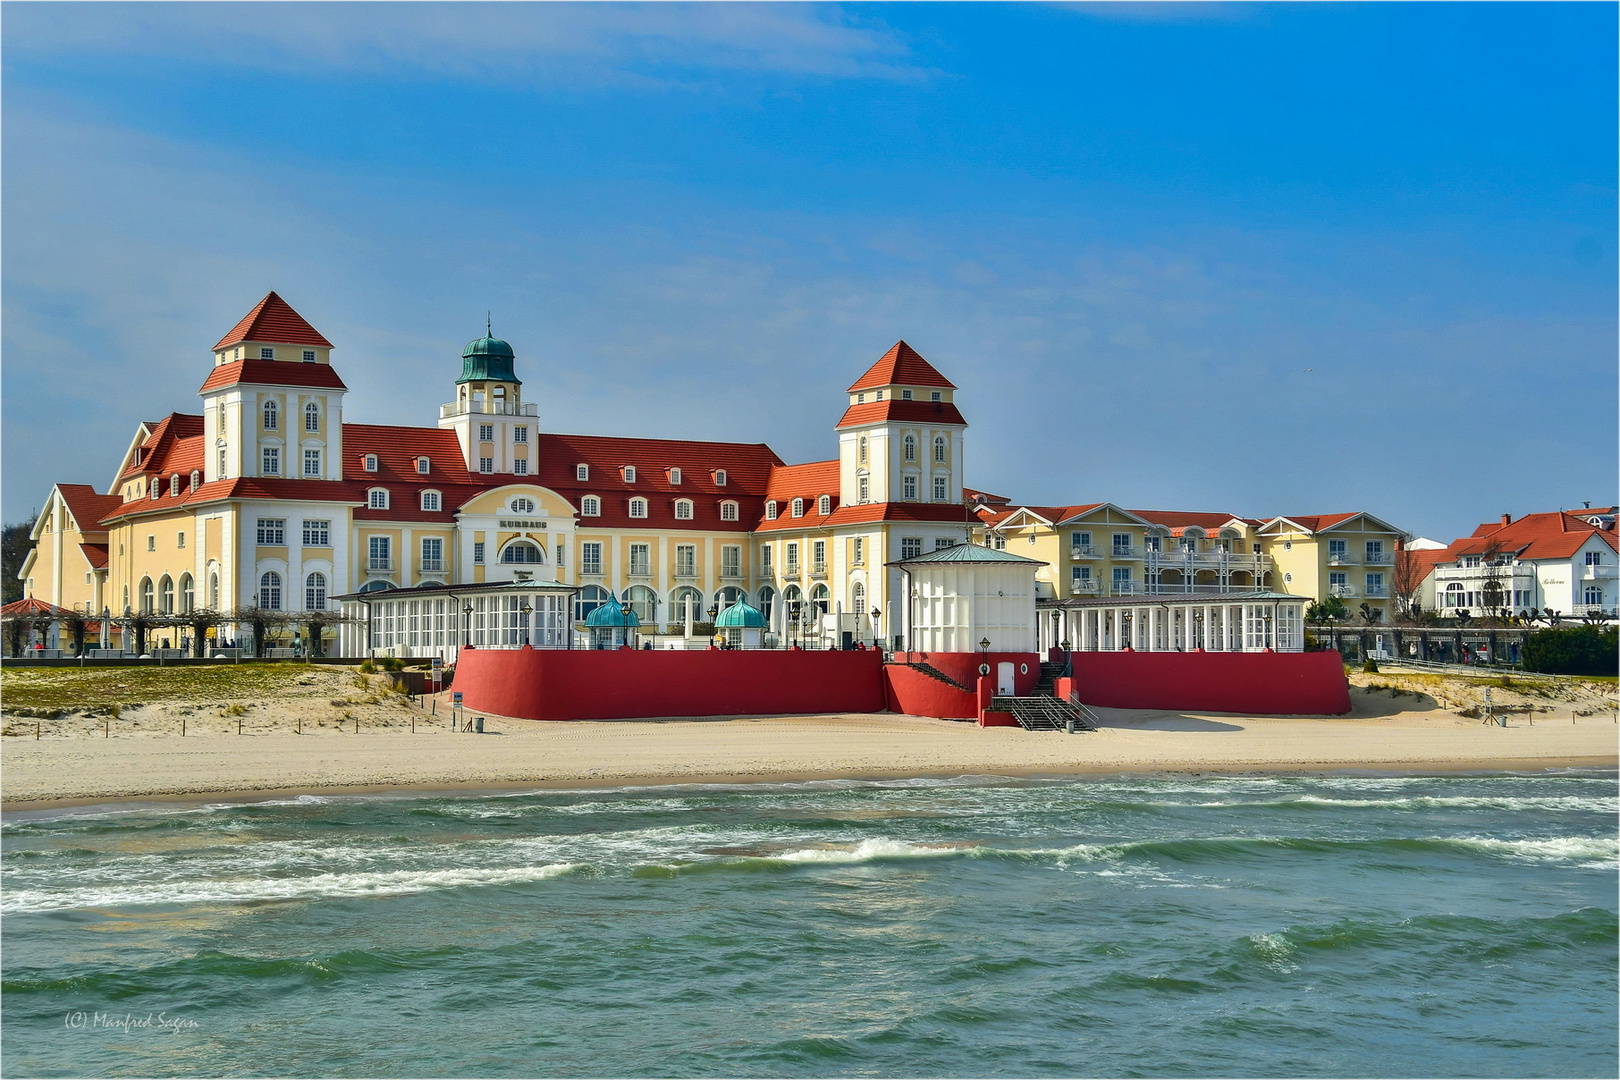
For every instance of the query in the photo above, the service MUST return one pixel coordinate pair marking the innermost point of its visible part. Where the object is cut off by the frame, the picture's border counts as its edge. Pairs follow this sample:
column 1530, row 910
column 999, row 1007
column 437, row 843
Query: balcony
column 685, row 570
column 1582, row 610
column 1599, row 572
column 767, row 571
column 818, row 571
column 1380, row 558
column 1343, row 592
column 501, row 408
column 641, row 570
column 791, row 573
column 732, row 572
column 1504, row 573
column 1124, row 588
column 1342, row 558
column 432, row 566
column 1083, row 587
column 1125, row 552
column 1083, row 551
column 380, row 566
column 1378, row 592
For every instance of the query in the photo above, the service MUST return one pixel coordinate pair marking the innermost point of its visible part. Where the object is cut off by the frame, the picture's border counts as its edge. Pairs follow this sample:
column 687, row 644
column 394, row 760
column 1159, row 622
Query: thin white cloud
column 498, row 42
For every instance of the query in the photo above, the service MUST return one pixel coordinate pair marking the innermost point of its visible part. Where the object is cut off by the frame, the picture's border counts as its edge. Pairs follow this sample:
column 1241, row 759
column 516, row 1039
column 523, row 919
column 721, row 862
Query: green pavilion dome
column 741, row 614
column 489, row 359
column 611, row 613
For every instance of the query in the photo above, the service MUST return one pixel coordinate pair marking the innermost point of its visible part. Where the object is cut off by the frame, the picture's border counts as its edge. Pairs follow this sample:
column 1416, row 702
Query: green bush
column 1572, row 650
column 1369, row 666
column 367, row 667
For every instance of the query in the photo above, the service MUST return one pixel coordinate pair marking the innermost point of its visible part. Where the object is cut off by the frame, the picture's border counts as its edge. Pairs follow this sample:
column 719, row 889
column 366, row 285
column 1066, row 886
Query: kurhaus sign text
column 520, row 523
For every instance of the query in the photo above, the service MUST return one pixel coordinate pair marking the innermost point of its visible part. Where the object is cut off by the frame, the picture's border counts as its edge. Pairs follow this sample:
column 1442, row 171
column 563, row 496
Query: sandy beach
column 385, row 754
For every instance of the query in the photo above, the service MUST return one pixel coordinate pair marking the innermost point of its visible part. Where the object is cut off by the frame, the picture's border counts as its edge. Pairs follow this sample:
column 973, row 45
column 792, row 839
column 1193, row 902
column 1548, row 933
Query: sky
column 1259, row 259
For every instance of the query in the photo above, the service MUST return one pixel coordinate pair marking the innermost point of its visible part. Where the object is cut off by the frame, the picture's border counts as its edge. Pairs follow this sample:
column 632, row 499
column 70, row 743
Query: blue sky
column 1262, row 259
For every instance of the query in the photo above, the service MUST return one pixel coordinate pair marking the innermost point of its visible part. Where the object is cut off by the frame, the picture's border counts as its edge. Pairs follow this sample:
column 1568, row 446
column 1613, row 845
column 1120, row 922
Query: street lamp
column 466, row 627
column 525, row 608
column 984, row 656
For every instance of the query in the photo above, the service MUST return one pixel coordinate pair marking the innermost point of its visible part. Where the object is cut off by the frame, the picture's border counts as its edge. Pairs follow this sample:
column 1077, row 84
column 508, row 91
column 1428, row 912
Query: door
column 1004, row 680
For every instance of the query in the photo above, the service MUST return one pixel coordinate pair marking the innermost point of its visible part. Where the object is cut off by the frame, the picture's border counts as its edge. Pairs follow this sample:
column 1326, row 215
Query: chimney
column 1507, row 519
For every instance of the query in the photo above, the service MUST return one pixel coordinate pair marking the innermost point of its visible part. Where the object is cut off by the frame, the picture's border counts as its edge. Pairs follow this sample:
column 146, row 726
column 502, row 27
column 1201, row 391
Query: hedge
column 1572, row 650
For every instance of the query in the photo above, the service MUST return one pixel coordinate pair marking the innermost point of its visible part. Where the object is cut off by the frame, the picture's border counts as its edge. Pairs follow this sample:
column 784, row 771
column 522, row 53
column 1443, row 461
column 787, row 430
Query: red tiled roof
column 1555, row 535
column 809, row 482
column 1178, row 520
column 88, row 506
column 970, row 494
column 859, row 513
column 901, row 365
column 273, row 373
column 244, row 487
column 397, row 449
column 274, row 322
column 1317, row 522
column 915, row 412
column 31, row 607
column 95, row 555
column 175, row 444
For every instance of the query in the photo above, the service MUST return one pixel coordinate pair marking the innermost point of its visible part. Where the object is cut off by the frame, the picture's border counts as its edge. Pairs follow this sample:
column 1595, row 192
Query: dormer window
column 719, row 478
column 770, row 510
column 674, row 476
column 796, row 508
column 824, row 505
column 860, row 399
column 423, row 466
column 878, row 396
column 629, row 474
column 728, row 511
column 174, row 484
column 590, row 505
column 430, row 501
column 936, row 395
column 309, row 356
column 638, row 508
column 377, row 498
column 155, row 488
column 683, row 509
column 267, row 353
column 196, row 479
column 370, row 462
column 582, row 472
column 905, row 395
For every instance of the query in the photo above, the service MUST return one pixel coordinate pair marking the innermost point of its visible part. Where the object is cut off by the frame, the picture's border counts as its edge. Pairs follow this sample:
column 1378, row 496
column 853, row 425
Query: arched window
column 590, row 598
column 196, row 479
column 683, row 509
column 821, row 598
column 798, row 508
column 824, row 505
column 213, row 592
column 638, row 508
column 643, row 601
column 857, row 598
column 767, row 602
column 376, row 586
column 793, row 597
column 315, row 591
column 430, row 501
column 521, row 505
column 1594, row 595
column 863, row 450
column 728, row 511
column 1454, row 595
column 312, row 417
column 377, row 498
column 270, row 591
column 188, row 595
column 146, row 596
column 174, row 484
column 522, row 552
column 166, row 595
column 681, row 601
column 911, row 448
column 727, row 596
column 272, row 415
column 770, row 510
column 939, row 448
column 590, row 506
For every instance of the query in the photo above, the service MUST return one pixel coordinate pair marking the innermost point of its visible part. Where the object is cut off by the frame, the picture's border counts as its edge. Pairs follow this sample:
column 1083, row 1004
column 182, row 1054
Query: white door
column 1004, row 680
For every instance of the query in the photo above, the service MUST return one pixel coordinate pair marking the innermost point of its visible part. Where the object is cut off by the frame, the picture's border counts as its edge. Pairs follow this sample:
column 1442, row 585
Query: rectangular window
column 935, row 395
column 910, row 547
column 423, row 466
column 486, row 432
column 179, row 540
column 629, row 474
column 685, row 560
column 1122, row 545
column 909, row 488
column 312, row 463
column 1594, row 558
column 860, row 551
column 1375, row 584
column 309, row 356
column 520, row 434
column 641, row 559
column 272, row 461
column 317, row 534
column 380, row 552
column 222, row 462
column 272, row 531
column 590, row 557
column 1336, row 549
column 767, row 557
column 1375, row 551
column 905, row 395
column 582, row 472
column 1122, row 575
column 486, row 464
column 561, row 549
column 151, row 543
column 1001, row 542
column 478, row 552
column 520, row 466
column 793, row 558
column 818, row 556
column 1080, row 573
column 730, row 560
column 267, row 353
column 432, row 554
column 1338, row 580
column 863, row 490
column 377, row 499
column 939, row 488
column 943, row 542
column 1080, row 543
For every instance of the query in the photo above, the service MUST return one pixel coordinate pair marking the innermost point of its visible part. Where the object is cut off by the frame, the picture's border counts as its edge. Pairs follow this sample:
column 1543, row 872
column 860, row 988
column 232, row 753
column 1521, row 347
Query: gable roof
column 904, row 366
column 1177, row 521
column 1554, row 535
column 88, row 507
column 273, row 373
column 274, row 322
column 1318, row 523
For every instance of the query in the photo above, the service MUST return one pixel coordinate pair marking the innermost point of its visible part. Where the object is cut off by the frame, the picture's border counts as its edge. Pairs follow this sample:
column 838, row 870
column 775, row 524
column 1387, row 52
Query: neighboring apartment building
column 1349, row 556
column 1560, row 560
column 268, row 498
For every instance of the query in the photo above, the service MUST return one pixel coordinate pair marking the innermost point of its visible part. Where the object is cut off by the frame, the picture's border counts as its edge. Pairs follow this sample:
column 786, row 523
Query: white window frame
column 312, row 463
column 266, row 352
column 486, row 432
column 588, row 564
column 770, row 510
column 908, row 487
column 174, row 484
column 942, row 489
column 824, row 505
column 271, row 415
column 520, row 466
column 309, row 356
column 369, row 462
column 424, row 465
column 269, row 462
column 268, row 532
column 629, row 474
column 522, row 504
column 641, row 560
column 431, row 502
column 796, row 508
column 478, row 553
column 638, row 507
column 675, row 476
column 317, row 533
column 683, row 509
column 520, row 434
column 590, row 506
column 486, row 464
column 729, row 511
column 196, row 479
column 719, row 478
column 312, row 418
column 377, row 499
column 582, row 472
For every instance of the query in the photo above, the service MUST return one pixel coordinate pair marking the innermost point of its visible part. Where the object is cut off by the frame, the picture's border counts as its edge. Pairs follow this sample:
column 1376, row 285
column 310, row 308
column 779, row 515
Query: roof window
column 674, row 476
column 629, row 474
column 267, row 353
column 824, row 505
column 424, row 465
column 720, row 477
column 582, row 472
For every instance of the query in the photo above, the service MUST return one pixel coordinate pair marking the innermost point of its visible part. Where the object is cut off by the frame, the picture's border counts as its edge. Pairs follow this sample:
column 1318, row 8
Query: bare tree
column 1407, row 579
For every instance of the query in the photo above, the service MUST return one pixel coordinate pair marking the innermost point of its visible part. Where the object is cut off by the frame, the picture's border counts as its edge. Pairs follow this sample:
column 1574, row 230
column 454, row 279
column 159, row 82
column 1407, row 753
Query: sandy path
column 521, row 753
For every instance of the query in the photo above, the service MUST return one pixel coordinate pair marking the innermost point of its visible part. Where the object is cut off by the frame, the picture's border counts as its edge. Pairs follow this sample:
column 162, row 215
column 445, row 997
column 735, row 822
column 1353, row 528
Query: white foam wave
column 869, row 850
column 1593, row 852
column 316, row 887
column 1569, row 803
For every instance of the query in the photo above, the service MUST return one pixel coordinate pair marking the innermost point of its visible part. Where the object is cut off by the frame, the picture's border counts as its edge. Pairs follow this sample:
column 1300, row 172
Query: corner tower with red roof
column 900, row 439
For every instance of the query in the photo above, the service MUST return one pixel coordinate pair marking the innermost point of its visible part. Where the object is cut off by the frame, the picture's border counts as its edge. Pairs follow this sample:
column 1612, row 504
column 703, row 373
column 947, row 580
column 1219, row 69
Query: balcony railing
column 1601, row 570
column 640, row 569
column 1085, row 587
column 1125, row 552
column 1083, row 551
column 685, row 570
column 1380, row 558
column 818, row 568
column 1342, row 558
column 731, row 572
column 432, row 566
column 792, row 571
column 1344, row 592
column 1124, row 588
column 380, row 565
column 1377, row 591
column 1579, row 610
column 488, row 408
column 1484, row 573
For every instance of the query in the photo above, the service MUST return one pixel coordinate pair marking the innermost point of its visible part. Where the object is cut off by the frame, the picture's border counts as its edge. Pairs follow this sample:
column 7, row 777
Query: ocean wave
column 316, row 887
column 1570, row 803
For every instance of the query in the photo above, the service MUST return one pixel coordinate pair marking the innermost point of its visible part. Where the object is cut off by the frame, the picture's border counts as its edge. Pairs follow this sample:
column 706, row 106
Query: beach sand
column 76, row 765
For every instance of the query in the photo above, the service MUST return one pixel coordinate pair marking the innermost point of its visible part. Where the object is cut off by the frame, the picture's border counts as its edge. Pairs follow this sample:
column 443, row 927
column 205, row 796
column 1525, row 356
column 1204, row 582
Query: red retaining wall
column 547, row 684
column 1255, row 684
column 964, row 667
column 916, row 694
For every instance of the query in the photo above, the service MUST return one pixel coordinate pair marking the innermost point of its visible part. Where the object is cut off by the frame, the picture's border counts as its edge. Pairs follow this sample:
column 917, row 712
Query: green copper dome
column 489, row 359
column 741, row 614
column 611, row 613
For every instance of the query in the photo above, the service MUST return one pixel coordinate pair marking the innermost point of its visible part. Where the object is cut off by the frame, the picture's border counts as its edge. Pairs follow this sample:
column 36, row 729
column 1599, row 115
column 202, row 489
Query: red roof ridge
column 273, row 320
column 272, row 373
column 901, row 364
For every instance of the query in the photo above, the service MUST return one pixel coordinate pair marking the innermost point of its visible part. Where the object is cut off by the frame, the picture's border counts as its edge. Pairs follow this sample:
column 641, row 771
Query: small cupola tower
column 495, row 428
column 900, row 439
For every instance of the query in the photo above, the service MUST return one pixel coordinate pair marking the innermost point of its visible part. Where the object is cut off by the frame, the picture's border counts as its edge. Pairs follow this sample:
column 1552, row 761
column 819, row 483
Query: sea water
column 1209, row 926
